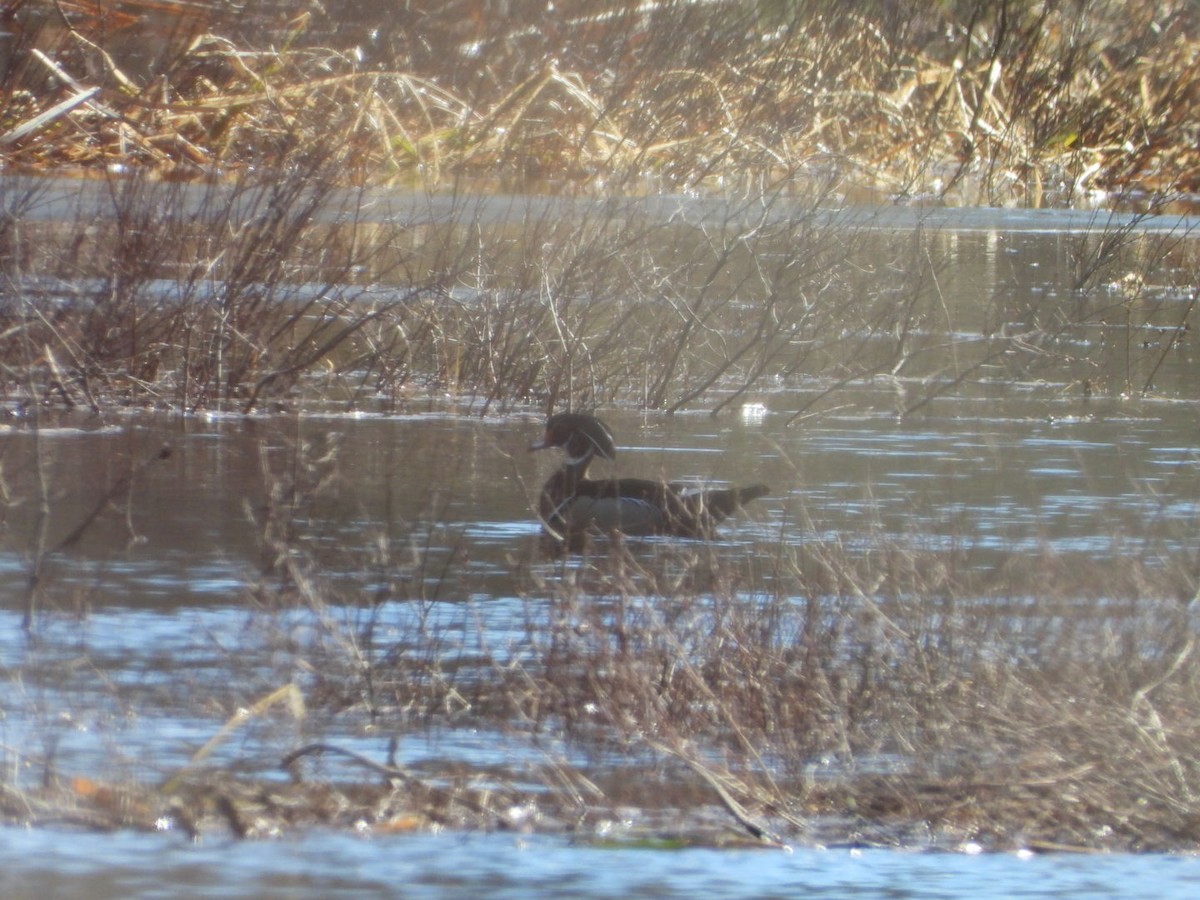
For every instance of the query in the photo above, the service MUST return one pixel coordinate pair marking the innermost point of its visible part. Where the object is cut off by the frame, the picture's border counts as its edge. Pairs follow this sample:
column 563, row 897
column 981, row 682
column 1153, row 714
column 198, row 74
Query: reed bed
column 991, row 101
column 245, row 280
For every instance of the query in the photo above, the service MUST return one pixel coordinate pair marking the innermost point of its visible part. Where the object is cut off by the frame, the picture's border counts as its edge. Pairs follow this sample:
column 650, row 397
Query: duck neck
column 575, row 471
column 580, row 450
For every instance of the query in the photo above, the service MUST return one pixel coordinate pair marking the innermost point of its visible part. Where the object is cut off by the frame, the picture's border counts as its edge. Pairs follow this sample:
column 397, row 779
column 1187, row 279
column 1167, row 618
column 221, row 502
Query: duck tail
column 753, row 492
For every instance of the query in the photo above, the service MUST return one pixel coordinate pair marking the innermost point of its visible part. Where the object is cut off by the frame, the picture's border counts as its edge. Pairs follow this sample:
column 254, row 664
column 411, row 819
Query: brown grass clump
column 895, row 691
column 1018, row 98
column 803, row 707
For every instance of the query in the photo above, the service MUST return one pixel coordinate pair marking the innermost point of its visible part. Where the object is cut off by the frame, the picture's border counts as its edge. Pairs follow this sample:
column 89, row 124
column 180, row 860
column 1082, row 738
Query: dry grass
column 269, row 292
column 240, row 292
column 1020, row 98
column 895, row 699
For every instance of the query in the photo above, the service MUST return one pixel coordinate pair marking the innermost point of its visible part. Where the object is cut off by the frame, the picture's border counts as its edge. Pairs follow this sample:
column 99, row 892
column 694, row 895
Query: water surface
column 151, row 633
column 48, row 864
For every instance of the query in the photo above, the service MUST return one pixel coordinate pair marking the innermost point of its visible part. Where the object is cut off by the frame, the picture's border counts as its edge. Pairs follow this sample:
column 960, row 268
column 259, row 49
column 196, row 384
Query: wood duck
column 573, row 504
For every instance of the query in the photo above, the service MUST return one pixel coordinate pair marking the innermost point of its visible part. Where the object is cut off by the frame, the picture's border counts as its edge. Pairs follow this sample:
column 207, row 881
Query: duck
column 573, row 504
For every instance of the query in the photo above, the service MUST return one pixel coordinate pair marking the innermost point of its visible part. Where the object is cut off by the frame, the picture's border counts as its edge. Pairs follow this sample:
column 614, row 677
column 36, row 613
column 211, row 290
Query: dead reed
column 283, row 291
column 818, row 695
column 1021, row 98
column 263, row 283
column 887, row 694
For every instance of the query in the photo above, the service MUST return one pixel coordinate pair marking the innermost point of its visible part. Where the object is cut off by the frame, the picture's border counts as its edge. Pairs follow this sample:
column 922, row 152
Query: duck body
column 573, row 504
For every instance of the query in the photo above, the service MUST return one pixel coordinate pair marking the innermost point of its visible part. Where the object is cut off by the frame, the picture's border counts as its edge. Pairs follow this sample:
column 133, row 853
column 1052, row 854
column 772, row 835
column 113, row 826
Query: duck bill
column 542, row 443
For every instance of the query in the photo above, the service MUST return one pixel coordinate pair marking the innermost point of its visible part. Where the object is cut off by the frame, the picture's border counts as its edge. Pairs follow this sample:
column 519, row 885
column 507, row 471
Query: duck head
column 580, row 435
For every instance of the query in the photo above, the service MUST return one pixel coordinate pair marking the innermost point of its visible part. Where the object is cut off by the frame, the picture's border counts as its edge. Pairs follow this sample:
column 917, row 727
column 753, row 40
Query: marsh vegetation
column 1044, row 699
column 1001, row 99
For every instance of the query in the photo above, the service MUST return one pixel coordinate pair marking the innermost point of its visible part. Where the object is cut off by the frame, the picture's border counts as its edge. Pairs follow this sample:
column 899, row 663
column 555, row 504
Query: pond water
column 40, row 865
column 149, row 635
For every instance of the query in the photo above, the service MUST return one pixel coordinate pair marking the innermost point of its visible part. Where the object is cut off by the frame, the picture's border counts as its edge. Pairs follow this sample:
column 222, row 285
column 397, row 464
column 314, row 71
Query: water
column 167, row 641
column 42, row 864
column 152, row 634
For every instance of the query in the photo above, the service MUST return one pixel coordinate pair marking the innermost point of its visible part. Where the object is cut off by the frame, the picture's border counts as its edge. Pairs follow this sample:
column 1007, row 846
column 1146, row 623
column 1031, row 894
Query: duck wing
column 633, row 506
column 637, row 506
column 710, row 505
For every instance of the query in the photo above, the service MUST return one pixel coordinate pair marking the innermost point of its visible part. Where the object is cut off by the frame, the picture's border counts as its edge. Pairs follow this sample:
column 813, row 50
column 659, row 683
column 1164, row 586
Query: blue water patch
column 71, row 866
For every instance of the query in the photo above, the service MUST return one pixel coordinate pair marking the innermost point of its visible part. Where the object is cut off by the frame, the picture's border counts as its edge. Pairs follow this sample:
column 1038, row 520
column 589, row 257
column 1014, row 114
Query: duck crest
column 573, row 505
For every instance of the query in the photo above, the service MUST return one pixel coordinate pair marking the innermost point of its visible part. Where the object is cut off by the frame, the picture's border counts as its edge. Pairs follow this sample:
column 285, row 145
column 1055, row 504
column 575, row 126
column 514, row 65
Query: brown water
column 149, row 630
